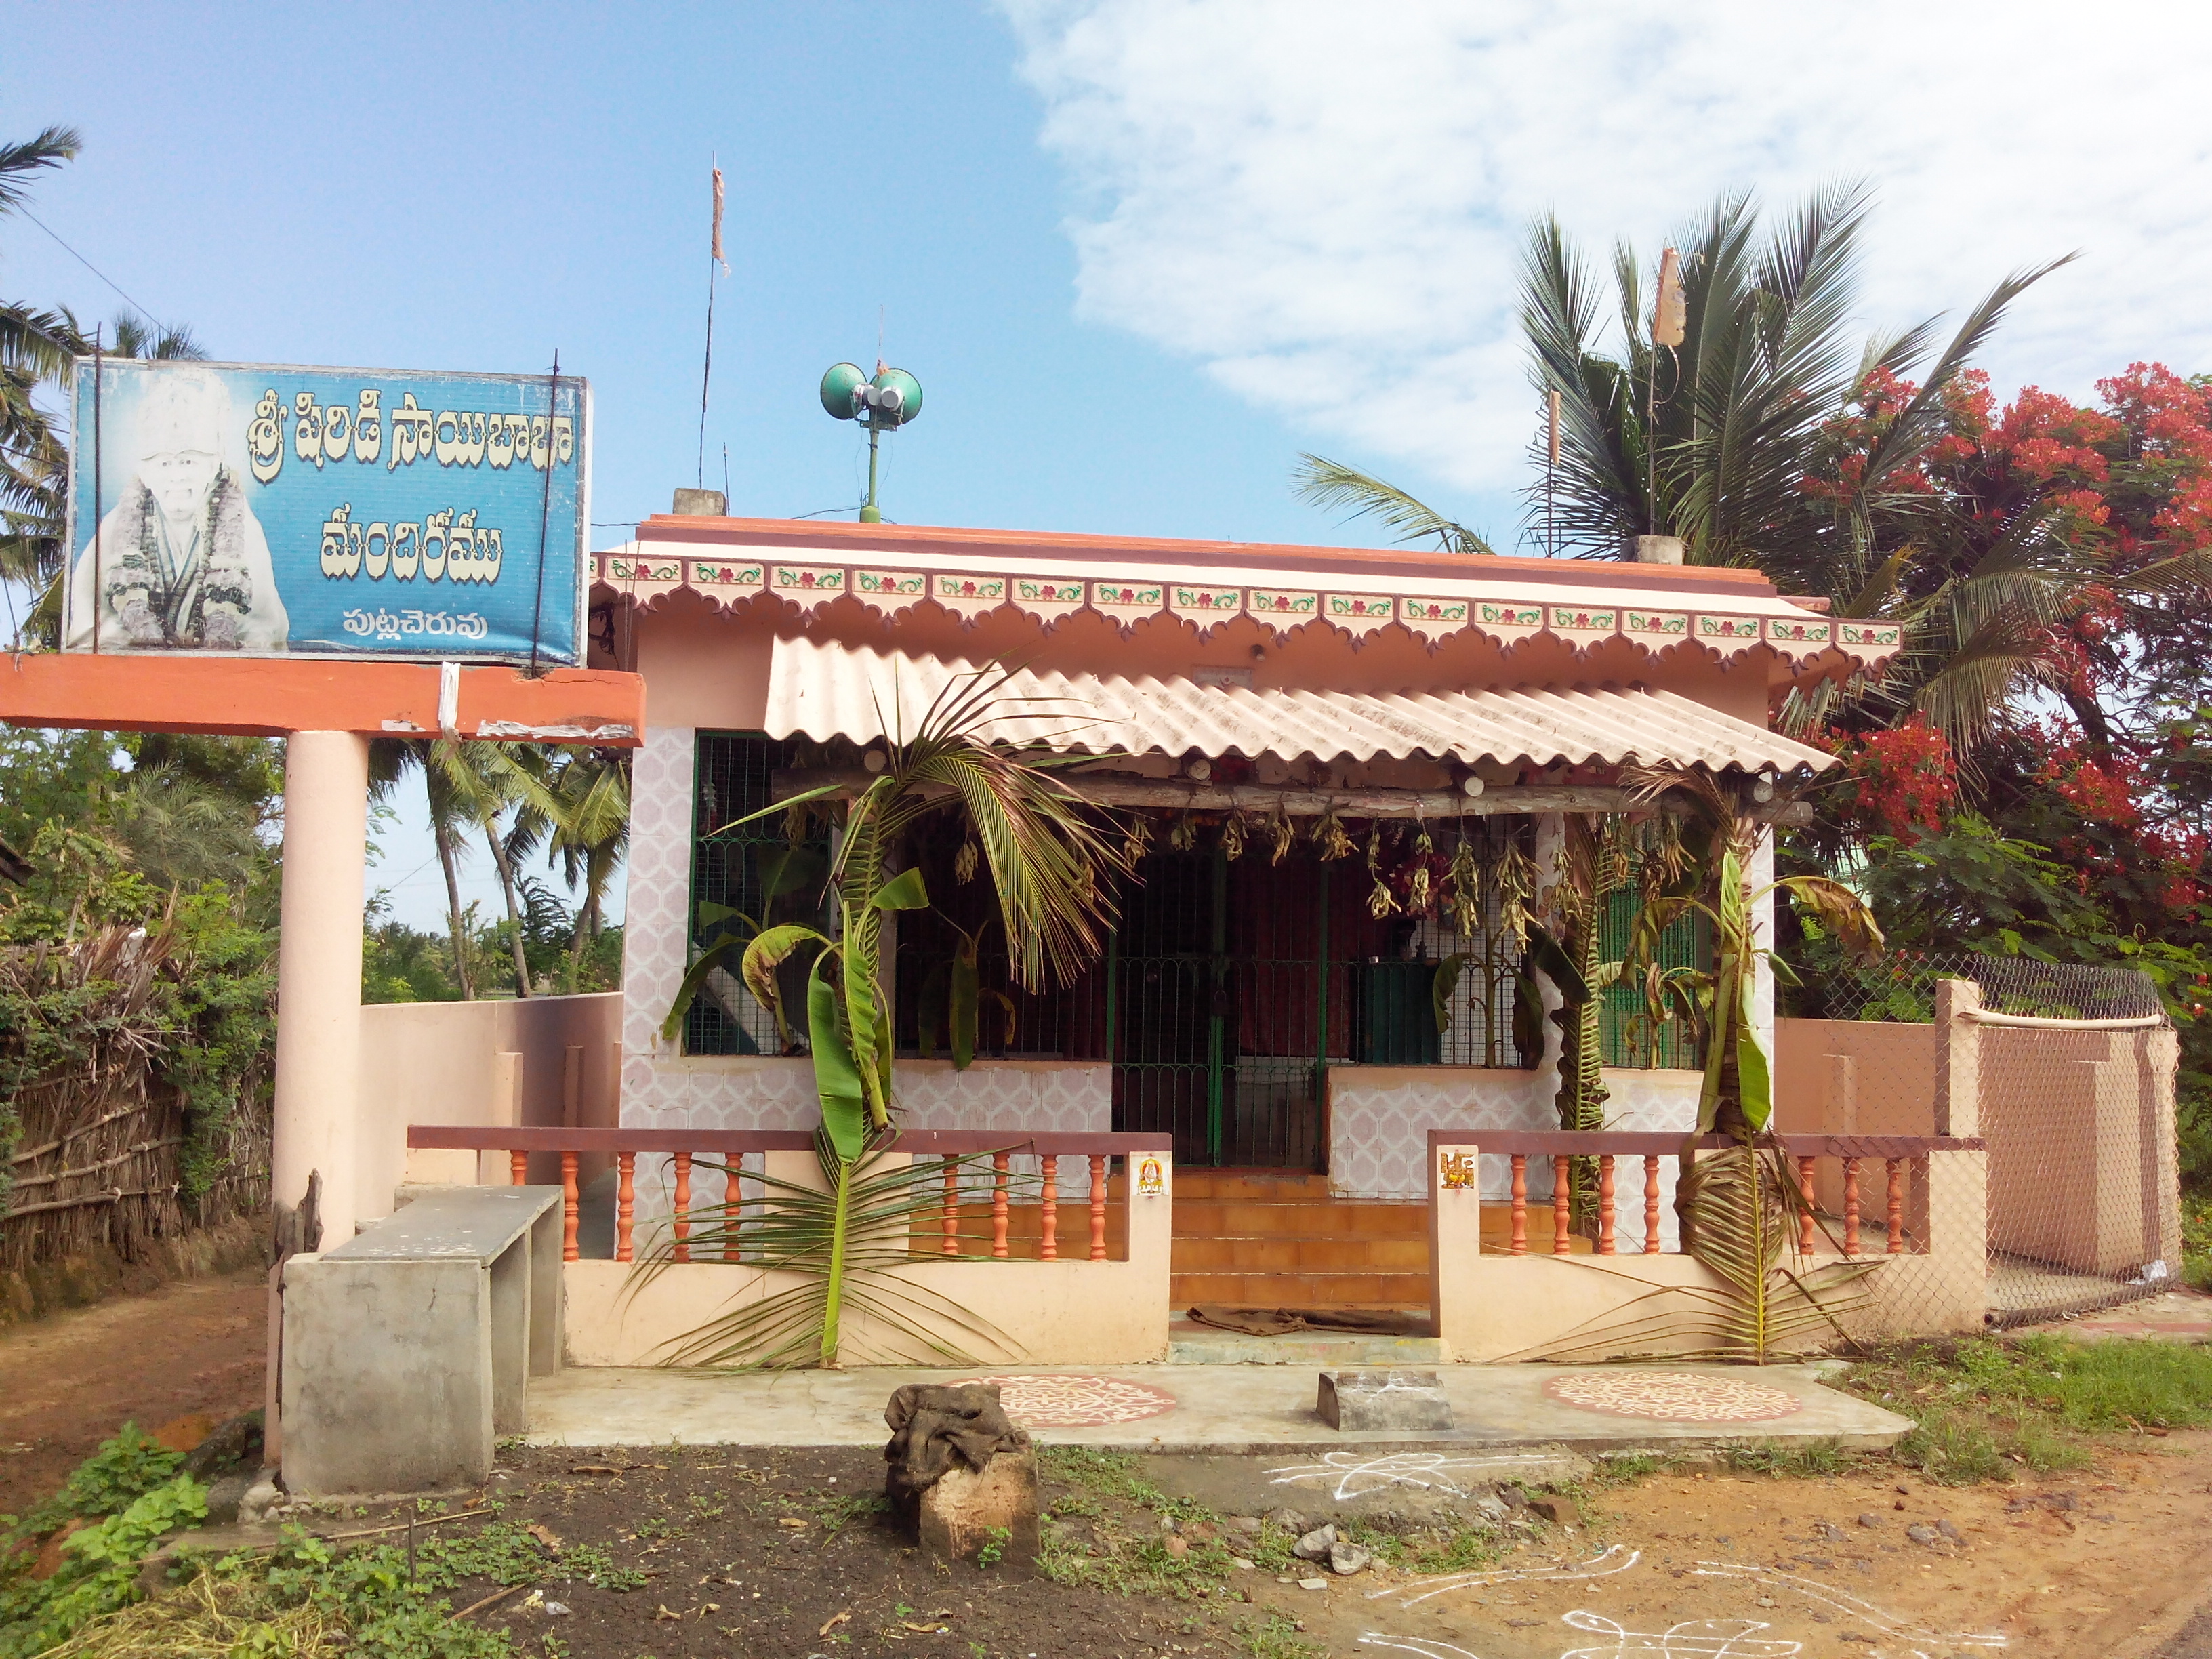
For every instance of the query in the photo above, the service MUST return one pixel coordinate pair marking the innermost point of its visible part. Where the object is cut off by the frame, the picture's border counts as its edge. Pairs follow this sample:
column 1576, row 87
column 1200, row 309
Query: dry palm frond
column 1232, row 836
column 1184, row 836
column 1279, row 834
column 1740, row 1208
column 892, row 1222
column 964, row 861
column 1137, row 839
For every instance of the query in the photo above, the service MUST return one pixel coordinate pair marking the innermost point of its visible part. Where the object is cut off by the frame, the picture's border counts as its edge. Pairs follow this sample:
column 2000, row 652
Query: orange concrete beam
column 268, row 696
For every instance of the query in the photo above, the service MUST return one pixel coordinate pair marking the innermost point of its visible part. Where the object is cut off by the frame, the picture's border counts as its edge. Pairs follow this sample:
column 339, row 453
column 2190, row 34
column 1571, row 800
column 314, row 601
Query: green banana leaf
column 836, row 1079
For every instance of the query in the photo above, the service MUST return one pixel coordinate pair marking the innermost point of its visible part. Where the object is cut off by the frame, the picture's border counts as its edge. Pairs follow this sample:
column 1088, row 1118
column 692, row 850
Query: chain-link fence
column 2070, row 1085
column 1900, row 986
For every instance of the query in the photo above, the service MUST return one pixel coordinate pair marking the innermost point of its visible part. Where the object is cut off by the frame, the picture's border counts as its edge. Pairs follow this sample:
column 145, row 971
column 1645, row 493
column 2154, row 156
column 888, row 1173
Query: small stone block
column 1382, row 1401
column 965, row 1512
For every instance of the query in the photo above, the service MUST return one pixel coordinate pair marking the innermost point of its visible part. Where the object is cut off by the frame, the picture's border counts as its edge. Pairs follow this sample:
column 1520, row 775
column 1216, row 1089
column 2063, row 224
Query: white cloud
column 1322, row 200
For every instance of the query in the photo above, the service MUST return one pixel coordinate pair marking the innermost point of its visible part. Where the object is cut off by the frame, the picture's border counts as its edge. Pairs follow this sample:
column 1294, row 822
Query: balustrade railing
column 1903, row 1160
column 1019, row 1219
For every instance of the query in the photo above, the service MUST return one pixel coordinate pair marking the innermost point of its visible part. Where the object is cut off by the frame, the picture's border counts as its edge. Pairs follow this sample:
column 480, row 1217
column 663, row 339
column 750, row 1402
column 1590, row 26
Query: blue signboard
column 248, row 508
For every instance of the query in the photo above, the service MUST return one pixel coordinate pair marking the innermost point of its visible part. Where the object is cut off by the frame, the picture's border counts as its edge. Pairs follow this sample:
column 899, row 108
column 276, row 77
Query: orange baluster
column 1805, row 1219
column 568, row 1207
column 1520, row 1244
column 999, row 1205
column 518, row 1168
column 1651, row 1207
column 1048, row 1217
column 1563, row 1187
column 625, row 1202
column 732, row 1196
column 1605, row 1242
column 1850, row 1207
column 1896, row 1205
column 1097, row 1207
column 949, row 1223
column 683, row 1250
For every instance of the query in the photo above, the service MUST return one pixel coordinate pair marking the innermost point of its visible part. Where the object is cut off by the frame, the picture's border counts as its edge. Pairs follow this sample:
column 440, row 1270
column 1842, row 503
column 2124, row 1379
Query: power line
column 142, row 310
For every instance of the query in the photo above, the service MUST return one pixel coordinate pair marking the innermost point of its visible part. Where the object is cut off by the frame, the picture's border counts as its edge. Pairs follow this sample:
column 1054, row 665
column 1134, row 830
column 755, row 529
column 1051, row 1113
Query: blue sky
column 1139, row 252
column 470, row 187
column 442, row 187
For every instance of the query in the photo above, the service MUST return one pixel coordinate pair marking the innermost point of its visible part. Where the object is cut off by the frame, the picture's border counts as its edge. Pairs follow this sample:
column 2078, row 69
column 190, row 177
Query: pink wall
column 550, row 1061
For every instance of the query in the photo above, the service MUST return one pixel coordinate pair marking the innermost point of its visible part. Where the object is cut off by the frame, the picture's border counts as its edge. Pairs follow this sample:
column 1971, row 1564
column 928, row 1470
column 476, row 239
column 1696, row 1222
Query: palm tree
column 36, row 345
column 1715, row 442
column 590, row 792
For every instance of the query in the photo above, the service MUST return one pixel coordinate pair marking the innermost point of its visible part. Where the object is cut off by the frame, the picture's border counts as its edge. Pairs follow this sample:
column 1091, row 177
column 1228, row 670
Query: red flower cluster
column 1902, row 779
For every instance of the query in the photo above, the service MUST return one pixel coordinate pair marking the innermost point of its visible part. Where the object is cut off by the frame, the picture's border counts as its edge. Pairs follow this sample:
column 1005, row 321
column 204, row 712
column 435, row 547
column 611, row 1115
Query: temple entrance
column 1227, row 1003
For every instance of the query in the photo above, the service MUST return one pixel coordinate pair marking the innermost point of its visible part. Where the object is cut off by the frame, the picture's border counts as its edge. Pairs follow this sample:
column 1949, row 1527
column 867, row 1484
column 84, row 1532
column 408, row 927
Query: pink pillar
column 318, row 977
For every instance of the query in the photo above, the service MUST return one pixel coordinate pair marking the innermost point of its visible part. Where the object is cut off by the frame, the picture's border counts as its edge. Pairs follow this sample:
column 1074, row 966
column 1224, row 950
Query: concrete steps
column 1277, row 1238
column 1191, row 1343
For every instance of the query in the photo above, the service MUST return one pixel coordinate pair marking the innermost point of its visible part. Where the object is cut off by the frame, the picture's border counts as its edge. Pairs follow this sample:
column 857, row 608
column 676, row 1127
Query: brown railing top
column 732, row 1143
column 1663, row 1142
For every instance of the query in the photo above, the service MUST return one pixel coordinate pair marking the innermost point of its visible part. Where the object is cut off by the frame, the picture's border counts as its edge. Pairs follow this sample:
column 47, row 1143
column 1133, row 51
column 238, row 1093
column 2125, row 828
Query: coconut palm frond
column 890, row 1221
column 18, row 161
column 1326, row 484
column 1923, row 420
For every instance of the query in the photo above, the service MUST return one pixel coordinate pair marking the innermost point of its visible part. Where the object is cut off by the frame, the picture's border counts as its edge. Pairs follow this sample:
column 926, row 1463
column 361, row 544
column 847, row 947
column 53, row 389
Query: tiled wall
column 1380, row 1117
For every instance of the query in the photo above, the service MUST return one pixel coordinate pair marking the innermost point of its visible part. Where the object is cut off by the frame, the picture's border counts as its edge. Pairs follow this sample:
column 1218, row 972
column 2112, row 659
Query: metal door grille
column 732, row 782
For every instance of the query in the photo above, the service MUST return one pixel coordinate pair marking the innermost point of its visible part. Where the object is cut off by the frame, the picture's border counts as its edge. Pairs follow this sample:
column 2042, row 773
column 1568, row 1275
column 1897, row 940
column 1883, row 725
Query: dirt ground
column 718, row 1551
column 68, row 1381
column 2103, row 1562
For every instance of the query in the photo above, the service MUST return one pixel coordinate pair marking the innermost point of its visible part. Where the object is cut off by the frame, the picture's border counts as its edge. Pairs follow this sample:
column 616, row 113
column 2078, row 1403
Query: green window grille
column 731, row 780
column 1625, row 1030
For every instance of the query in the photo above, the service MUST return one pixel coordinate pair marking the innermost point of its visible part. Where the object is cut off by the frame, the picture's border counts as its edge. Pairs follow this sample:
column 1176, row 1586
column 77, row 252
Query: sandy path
column 68, row 1381
column 2119, row 1573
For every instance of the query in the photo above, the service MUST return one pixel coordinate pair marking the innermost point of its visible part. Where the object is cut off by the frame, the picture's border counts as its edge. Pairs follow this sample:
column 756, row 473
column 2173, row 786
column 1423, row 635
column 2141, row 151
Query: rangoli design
column 1672, row 1396
column 1076, row 1402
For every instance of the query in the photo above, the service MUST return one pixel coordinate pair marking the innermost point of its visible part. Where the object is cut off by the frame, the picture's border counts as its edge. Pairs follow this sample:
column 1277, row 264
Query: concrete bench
column 408, row 1349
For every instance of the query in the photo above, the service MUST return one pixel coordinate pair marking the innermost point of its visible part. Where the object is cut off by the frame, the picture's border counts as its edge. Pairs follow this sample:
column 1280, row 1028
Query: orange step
column 1277, row 1237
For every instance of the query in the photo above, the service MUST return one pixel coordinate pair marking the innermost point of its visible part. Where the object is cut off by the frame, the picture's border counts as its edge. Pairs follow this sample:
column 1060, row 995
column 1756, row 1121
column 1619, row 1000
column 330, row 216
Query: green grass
column 1987, row 1409
column 1798, row 1459
column 2197, row 1239
column 1273, row 1635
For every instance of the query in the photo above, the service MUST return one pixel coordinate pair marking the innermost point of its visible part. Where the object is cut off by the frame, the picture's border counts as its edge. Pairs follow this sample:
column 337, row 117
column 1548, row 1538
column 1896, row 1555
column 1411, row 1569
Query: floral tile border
column 1432, row 617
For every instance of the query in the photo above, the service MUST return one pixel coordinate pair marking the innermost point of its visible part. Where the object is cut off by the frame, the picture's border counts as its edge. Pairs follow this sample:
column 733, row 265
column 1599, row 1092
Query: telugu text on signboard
column 240, row 507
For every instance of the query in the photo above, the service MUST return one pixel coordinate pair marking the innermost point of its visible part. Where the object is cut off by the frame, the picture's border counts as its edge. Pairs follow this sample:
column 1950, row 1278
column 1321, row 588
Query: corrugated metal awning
column 821, row 690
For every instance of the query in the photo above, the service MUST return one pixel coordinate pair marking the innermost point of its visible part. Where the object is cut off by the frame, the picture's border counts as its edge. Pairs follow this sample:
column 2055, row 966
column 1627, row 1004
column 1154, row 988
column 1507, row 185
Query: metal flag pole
column 1551, row 475
column 707, row 370
column 545, row 504
column 96, row 504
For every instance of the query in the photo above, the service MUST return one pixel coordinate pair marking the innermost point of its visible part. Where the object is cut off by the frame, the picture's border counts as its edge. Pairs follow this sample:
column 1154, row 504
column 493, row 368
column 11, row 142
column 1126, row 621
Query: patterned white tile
column 1380, row 1118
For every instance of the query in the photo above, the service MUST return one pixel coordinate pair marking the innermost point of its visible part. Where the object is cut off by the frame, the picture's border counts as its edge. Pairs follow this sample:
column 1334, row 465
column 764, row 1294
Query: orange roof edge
column 270, row 696
column 797, row 532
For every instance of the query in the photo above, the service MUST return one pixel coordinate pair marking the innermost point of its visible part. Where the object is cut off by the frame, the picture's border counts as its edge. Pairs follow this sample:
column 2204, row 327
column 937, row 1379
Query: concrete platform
column 1190, row 1343
column 1234, row 1409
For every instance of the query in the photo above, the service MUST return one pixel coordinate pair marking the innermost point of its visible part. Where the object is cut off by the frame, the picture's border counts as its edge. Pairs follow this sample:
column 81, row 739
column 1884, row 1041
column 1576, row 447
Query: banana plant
column 1047, row 857
column 952, row 1000
column 1738, row 1205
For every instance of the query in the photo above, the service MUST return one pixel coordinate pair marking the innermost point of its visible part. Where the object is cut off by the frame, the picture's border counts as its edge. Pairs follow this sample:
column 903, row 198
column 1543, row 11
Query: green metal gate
column 1217, row 1014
